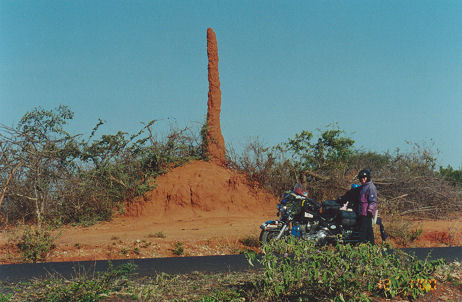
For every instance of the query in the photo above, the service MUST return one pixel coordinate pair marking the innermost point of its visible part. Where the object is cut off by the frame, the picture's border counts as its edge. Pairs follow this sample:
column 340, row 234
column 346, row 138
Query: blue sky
column 386, row 71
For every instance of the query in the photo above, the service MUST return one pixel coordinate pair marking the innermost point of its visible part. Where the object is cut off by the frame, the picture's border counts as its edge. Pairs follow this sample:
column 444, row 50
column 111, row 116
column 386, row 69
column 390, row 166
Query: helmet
column 298, row 189
column 354, row 186
column 365, row 173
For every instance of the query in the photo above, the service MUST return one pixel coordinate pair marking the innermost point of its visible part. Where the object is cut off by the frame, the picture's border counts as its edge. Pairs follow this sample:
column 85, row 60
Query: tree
column 331, row 150
column 38, row 152
column 452, row 175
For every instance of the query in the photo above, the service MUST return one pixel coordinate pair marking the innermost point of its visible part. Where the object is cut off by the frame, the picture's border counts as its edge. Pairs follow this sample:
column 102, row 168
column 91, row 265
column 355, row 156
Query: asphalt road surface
column 177, row 265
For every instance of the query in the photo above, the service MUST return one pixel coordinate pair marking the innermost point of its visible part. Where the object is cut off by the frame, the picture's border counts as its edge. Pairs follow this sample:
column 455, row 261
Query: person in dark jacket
column 368, row 205
column 351, row 200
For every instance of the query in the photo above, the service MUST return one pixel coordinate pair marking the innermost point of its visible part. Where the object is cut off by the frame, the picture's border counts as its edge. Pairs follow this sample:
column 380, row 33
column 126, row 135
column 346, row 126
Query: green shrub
column 5, row 297
column 300, row 269
column 35, row 244
column 178, row 249
column 331, row 150
column 452, row 175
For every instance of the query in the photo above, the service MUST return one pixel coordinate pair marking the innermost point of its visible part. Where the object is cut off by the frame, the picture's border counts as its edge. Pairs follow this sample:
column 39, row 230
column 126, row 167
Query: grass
column 250, row 241
column 81, row 288
column 121, row 287
column 403, row 232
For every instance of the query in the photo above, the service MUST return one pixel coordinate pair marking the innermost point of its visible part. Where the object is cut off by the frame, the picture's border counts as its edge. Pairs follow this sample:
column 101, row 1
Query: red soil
column 203, row 206
column 202, row 190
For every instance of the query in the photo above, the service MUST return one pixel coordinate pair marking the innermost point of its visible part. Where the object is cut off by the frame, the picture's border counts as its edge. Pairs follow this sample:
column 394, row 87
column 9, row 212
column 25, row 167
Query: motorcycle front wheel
column 267, row 236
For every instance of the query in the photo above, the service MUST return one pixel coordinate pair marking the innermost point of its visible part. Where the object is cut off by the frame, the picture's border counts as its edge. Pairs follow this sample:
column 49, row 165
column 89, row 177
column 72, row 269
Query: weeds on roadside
column 157, row 235
column 35, row 244
column 403, row 232
column 81, row 288
column 301, row 269
column 452, row 234
column 5, row 297
column 178, row 249
column 250, row 241
column 204, row 287
column 220, row 295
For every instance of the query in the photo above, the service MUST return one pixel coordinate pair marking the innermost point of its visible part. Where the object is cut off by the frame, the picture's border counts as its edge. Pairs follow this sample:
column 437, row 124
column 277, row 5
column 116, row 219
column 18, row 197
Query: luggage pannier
column 348, row 218
column 330, row 209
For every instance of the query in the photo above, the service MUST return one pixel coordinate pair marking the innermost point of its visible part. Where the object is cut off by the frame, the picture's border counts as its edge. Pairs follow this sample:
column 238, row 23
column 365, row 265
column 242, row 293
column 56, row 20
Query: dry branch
column 10, row 176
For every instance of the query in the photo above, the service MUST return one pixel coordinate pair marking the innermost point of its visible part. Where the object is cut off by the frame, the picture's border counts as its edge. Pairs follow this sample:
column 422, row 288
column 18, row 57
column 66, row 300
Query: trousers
column 366, row 233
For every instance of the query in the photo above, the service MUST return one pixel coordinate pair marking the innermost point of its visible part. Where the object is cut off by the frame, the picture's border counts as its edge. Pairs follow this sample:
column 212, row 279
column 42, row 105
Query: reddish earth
column 202, row 207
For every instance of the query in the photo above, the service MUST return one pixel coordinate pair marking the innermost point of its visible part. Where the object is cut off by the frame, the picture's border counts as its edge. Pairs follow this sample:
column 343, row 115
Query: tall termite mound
column 204, row 188
column 215, row 143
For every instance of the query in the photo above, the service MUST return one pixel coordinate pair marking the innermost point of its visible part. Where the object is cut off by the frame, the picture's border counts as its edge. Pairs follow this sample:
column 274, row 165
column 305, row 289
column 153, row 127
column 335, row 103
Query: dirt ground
column 197, row 209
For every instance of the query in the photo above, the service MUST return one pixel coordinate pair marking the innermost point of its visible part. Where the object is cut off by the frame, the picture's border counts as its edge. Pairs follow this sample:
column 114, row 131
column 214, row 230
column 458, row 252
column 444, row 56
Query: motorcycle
column 306, row 219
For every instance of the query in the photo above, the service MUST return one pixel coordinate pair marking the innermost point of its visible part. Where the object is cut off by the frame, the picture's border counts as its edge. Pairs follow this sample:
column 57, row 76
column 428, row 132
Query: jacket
column 352, row 197
column 368, row 199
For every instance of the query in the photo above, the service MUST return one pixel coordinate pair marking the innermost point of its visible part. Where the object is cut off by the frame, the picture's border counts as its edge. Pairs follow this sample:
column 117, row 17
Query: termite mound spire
column 215, row 148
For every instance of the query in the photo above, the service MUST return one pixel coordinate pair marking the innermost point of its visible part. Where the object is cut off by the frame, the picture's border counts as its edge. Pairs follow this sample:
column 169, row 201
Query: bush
column 264, row 167
column 299, row 269
column 300, row 159
column 178, row 249
column 407, row 183
column 452, row 175
column 35, row 244
column 53, row 177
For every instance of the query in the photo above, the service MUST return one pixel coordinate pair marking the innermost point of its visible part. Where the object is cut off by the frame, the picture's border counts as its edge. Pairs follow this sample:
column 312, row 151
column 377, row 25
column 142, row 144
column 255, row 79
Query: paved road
column 179, row 265
column 145, row 267
column 449, row 254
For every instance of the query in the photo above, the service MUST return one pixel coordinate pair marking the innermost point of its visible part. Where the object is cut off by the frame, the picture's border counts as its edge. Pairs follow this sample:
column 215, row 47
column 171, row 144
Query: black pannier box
column 348, row 218
column 330, row 209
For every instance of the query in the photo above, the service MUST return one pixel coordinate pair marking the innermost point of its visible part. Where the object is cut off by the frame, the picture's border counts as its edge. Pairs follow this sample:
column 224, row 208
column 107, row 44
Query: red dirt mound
column 202, row 189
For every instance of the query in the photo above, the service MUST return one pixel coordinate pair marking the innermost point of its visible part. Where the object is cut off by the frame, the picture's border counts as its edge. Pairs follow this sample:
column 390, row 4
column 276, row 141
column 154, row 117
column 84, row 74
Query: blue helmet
column 354, row 186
